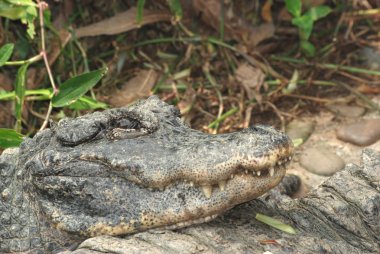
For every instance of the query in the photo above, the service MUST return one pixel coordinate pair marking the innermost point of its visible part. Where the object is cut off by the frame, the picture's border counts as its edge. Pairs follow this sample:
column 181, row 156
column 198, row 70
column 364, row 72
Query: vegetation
column 218, row 66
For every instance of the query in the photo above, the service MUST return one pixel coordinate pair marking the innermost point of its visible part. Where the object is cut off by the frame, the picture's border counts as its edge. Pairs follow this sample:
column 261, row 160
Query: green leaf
column 305, row 25
column 11, row 11
column 74, row 88
column 10, row 138
column 6, row 52
column 275, row 223
column 318, row 12
column 87, row 103
column 25, row 10
column 22, row 2
column 140, row 11
column 308, row 48
column 294, row 7
column 176, row 8
column 20, row 92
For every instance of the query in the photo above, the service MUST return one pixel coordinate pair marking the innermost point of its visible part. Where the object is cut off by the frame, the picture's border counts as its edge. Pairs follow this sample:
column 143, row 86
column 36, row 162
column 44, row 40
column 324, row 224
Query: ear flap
column 73, row 132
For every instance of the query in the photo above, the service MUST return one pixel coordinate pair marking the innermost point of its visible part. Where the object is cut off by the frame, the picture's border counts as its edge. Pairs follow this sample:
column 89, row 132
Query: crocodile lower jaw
column 183, row 224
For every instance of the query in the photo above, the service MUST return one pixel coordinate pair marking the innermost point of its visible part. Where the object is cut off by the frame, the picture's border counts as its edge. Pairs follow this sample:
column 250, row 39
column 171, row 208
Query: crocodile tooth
column 254, row 173
column 232, row 176
column 222, row 185
column 191, row 183
column 279, row 163
column 271, row 171
column 258, row 173
column 207, row 190
column 290, row 158
column 246, row 171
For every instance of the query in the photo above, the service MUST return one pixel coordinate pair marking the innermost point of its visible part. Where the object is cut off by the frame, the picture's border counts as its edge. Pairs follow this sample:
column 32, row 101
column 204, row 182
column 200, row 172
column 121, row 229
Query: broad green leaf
column 176, row 8
column 74, row 88
column 308, row 48
column 20, row 92
column 6, row 52
column 294, row 7
column 87, row 103
column 305, row 25
column 140, row 11
column 22, row 2
column 10, row 138
column 275, row 223
column 11, row 11
column 25, row 10
column 318, row 12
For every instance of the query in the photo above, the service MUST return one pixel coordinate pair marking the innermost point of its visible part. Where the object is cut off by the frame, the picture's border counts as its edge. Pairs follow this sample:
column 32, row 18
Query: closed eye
column 125, row 128
column 126, row 123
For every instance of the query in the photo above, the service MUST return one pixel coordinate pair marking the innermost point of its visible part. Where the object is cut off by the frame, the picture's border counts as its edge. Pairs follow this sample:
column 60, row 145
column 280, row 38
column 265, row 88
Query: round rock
column 345, row 110
column 321, row 161
column 362, row 133
column 300, row 129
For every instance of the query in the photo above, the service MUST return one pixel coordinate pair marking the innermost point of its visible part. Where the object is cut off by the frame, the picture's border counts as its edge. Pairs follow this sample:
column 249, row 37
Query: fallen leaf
column 235, row 26
column 122, row 22
column 367, row 89
column 252, row 79
column 136, row 88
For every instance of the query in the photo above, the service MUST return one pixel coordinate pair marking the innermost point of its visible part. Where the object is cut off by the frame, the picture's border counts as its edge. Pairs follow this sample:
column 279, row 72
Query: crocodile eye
column 126, row 123
column 125, row 128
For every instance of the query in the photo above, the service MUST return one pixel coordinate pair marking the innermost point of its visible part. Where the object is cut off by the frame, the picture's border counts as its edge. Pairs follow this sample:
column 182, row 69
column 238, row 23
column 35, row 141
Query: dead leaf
column 235, row 26
column 136, row 88
column 122, row 22
column 266, row 13
column 5, row 82
column 252, row 79
column 367, row 89
column 57, row 44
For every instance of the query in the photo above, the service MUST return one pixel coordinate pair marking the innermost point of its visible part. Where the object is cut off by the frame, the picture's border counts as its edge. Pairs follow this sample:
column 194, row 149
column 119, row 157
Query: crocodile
column 128, row 170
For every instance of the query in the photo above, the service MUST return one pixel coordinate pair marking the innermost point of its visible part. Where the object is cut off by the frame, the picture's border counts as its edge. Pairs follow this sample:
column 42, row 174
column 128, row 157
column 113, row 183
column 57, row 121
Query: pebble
column 297, row 129
column 362, row 133
column 347, row 111
column 321, row 161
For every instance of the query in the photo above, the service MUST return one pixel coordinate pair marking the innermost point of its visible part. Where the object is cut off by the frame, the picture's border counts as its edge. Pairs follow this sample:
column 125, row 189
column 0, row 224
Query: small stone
column 298, row 129
column 345, row 110
column 321, row 161
column 363, row 133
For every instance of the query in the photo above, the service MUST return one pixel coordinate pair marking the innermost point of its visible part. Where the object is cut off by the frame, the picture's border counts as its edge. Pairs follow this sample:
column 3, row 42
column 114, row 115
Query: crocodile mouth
column 247, row 172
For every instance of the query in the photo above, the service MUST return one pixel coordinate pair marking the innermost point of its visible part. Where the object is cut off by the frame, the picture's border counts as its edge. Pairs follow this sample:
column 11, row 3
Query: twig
column 278, row 113
column 308, row 98
column 47, row 116
column 42, row 6
column 359, row 95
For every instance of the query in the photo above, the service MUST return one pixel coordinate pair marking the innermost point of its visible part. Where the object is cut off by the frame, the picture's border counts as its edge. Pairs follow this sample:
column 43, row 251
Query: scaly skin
column 128, row 170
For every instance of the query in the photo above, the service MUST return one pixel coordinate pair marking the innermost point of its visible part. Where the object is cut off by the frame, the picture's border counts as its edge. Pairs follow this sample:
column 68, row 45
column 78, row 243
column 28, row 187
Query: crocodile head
column 131, row 169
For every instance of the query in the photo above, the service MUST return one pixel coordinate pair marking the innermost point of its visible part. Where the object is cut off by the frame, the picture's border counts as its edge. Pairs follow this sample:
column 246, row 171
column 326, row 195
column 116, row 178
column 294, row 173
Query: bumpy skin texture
column 342, row 216
column 128, row 170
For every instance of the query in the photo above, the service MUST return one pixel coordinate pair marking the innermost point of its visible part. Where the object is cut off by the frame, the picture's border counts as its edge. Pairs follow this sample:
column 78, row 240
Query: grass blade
column 275, row 223
column 140, row 11
column 20, row 94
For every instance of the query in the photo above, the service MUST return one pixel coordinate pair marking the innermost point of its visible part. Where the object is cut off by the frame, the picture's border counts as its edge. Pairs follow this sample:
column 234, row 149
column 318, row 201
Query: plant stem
column 28, row 61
